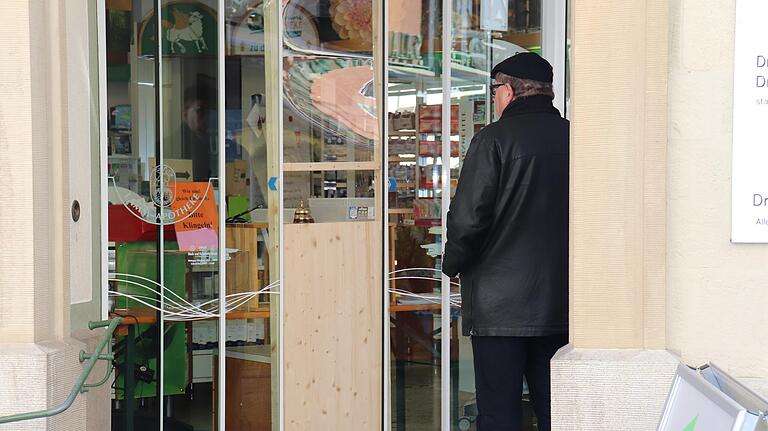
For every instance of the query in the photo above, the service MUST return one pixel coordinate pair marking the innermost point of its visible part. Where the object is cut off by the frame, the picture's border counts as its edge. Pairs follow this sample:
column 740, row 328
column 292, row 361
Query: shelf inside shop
column 402, row 186
column 410, row 69
column 402, row 133
column 400, row 158
column 461, row 71
column 428, row 222
column 401, row 211
column 330, row 166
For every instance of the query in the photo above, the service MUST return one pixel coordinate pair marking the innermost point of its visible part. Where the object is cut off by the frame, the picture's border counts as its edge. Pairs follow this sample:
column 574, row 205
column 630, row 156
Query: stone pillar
column 38, row 360
column 615, row 373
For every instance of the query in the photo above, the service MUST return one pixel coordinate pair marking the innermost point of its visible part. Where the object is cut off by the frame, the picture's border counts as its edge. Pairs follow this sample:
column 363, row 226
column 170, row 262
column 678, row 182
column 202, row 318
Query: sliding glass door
column 192, row 223
column 439, row 57
column 227, row 121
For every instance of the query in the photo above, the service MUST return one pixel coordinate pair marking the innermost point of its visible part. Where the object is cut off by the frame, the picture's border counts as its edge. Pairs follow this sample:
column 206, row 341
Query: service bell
column 302, row 214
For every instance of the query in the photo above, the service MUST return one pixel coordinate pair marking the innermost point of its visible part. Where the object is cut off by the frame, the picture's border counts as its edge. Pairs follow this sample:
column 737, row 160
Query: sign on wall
column 750, row 116
column 494, row 15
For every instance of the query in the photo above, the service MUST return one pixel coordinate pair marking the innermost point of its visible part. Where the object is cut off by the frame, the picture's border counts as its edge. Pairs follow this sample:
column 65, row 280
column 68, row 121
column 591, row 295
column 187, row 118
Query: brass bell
column 302, row 214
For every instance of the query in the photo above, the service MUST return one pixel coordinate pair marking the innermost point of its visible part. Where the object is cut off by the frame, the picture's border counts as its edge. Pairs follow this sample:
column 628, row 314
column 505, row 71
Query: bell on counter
column 302, row 214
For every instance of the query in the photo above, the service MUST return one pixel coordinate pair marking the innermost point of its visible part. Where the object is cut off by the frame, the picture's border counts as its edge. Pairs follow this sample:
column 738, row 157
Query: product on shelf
column 405, row 48
column 431, row 119
column 428, row 209
column 435, row 149
column 401, row 120
column 400, row 146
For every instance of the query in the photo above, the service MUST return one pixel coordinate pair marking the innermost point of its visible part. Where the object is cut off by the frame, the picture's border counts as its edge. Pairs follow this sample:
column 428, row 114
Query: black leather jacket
column 508, row 224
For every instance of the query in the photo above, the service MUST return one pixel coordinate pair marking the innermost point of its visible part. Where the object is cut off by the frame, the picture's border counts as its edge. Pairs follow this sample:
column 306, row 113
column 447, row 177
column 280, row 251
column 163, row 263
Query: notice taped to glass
column 750, row 115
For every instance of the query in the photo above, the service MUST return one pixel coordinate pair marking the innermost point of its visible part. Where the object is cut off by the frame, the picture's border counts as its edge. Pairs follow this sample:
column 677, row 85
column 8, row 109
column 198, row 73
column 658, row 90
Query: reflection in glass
column 163, row 212
column 329, row 26
column 330, row 123
column 252, row 275
column 133, row 223
column 481, row 36
column 414, row 220
column 330, row 110
column 189, row 100
column 476, row 49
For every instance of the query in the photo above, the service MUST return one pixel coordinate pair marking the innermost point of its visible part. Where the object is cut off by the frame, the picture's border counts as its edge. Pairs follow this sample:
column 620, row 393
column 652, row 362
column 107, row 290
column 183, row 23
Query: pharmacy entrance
column 274, row 180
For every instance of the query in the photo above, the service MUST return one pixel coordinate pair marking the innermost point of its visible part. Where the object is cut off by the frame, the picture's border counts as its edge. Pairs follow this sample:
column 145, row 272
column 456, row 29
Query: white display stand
column 708, row 399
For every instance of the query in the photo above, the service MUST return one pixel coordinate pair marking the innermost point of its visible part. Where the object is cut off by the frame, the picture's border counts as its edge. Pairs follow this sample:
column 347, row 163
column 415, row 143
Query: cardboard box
column 237, row 178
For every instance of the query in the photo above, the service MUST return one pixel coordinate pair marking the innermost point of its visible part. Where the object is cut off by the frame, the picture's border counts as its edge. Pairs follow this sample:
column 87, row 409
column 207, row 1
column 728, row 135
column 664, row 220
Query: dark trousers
column 500, row 364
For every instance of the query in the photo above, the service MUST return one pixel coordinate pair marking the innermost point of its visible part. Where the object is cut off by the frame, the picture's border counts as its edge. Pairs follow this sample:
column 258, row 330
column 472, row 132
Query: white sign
column 494, row 15
column 750, row 115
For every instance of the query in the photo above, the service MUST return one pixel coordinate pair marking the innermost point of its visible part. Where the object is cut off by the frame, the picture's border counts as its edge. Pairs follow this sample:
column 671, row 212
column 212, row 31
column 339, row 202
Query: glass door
column 192, row 219
column 414, row 158
column 134, row 217
column 251, row 398
column 228, row 120
column 483, row 35
column 440, row 54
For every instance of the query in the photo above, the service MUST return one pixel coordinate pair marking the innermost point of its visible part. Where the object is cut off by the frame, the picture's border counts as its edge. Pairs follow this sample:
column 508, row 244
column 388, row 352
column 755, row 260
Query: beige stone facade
column 38, row 356
column 655, row 278
column 716, row 290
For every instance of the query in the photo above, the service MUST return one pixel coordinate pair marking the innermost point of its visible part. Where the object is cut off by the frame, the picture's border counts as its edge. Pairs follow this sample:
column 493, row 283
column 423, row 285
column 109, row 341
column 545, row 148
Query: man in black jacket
column 508, row 240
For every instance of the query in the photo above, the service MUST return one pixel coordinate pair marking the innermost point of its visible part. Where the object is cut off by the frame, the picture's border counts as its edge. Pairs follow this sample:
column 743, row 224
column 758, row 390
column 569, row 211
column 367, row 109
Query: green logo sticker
column 188, row 28
column 692, row 426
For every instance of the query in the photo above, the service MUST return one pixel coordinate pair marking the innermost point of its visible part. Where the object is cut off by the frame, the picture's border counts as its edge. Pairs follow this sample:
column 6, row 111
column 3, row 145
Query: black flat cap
column 525, row 65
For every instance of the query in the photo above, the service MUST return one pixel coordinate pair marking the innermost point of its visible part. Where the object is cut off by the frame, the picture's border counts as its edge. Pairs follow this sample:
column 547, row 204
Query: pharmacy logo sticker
column 162, row 194
column 162, row 206
column 187, row 27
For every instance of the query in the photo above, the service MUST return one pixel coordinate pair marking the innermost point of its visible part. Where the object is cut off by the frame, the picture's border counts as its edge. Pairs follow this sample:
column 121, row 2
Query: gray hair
column 526, row 87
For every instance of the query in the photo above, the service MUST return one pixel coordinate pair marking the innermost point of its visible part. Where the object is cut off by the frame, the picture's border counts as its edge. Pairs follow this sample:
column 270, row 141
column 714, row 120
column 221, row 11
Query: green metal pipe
column 109, row 356
column 106, row 338
column 104, row 356
column 101, row 382
column 100, row 323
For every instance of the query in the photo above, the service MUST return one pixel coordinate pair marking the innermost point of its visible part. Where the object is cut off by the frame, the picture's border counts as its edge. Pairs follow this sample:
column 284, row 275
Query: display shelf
column 330, row 166
column 428, row 222
column 461, row 71
column 402, row 133
column 395, row 159
column 405, row 186
column 458, row 71
column 402, row 211
column 411, row 70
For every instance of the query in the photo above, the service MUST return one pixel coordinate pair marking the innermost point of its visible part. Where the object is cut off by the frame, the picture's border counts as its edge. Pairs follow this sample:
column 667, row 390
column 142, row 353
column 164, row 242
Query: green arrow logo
column 692, row 426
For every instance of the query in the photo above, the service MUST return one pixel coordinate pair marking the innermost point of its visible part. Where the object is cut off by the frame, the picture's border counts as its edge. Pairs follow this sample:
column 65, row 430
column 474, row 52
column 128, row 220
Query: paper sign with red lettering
column 197, row 224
